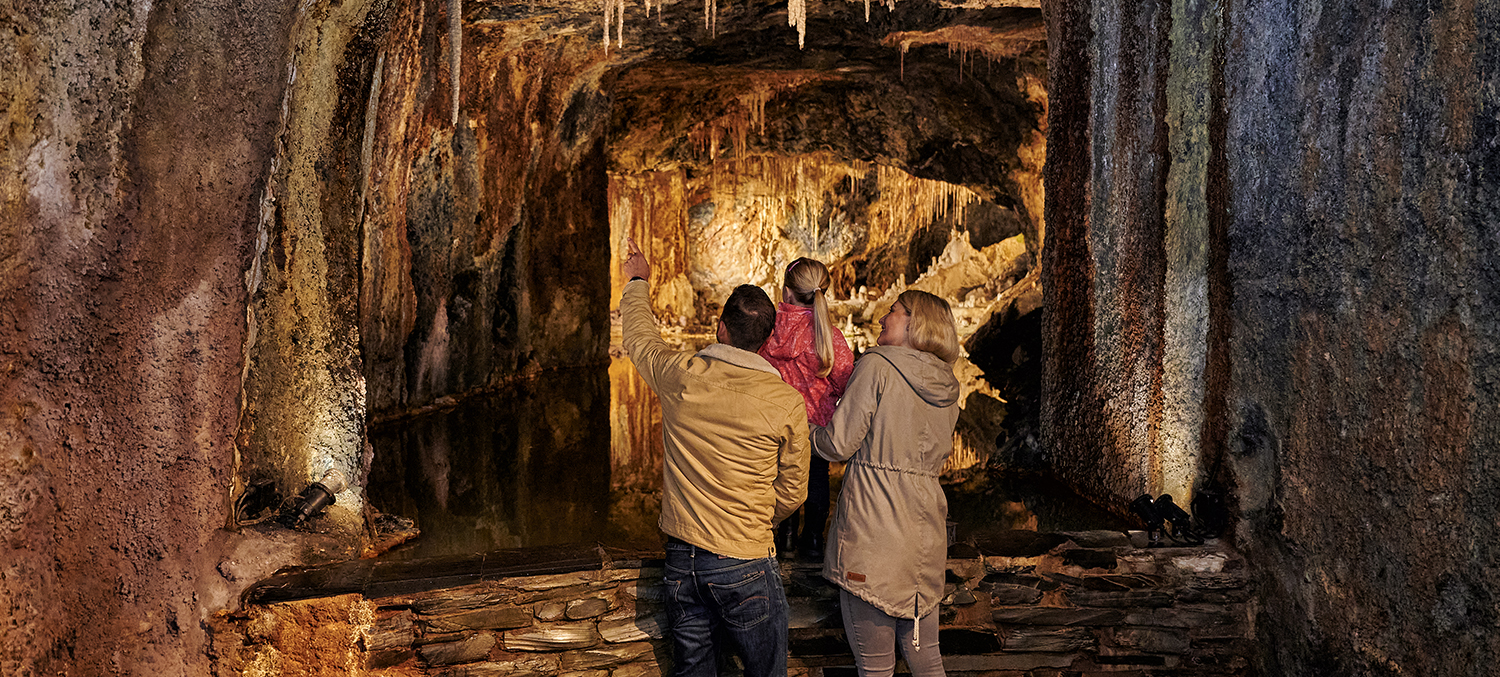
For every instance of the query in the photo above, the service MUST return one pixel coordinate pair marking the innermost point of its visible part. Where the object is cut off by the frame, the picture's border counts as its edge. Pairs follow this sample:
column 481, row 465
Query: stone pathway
column 1017, row 603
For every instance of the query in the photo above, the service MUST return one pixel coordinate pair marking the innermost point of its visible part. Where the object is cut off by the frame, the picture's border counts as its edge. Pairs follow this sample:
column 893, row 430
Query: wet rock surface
column 1272, row 252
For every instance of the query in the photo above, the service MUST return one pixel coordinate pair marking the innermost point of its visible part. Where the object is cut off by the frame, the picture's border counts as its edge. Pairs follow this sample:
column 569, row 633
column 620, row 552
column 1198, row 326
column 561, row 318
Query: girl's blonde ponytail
column 808, row 281
column 822, row 334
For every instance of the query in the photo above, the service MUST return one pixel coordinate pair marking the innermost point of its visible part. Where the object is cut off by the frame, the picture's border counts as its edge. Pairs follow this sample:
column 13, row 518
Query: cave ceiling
column 912, row 86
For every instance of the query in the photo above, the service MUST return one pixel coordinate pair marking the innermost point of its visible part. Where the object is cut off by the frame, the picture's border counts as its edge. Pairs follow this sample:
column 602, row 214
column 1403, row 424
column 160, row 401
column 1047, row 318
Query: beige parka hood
column 930, row 377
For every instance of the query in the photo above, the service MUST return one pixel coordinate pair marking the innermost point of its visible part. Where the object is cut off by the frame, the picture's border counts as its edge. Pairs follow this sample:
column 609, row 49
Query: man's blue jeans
column 739, row 601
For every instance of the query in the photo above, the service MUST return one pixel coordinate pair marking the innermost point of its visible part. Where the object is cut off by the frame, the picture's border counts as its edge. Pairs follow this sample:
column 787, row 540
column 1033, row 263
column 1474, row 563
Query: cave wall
column 221, row 254
column 1305, row 304
column 304, row 391
column 416, row 252
column 136, row 138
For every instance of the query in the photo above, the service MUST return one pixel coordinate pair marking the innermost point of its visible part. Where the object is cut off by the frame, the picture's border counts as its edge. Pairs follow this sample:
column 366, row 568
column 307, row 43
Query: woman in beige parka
column 888, row 545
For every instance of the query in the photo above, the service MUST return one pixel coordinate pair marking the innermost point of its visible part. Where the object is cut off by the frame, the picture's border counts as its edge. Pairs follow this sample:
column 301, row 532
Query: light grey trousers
column 874, row 636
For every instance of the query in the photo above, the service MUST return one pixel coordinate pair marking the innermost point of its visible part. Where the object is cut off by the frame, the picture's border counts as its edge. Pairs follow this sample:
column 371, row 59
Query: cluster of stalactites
column 915, row 202
column 963, row 42
column 796, row 16
column 774, row 190
column 709, row 136
column 614, row 15
column 803, row 179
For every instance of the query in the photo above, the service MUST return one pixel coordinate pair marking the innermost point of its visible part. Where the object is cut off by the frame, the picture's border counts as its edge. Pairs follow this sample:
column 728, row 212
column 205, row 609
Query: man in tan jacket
column 735, row 463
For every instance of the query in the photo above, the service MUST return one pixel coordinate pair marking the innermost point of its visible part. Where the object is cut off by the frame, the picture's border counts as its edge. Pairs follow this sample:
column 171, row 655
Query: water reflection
column 530, row 465
column 575, row 457
column 1001, row 502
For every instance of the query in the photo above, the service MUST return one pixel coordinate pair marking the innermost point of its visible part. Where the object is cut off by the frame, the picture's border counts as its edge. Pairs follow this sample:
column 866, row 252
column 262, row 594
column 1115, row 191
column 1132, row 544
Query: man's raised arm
column 639, row 333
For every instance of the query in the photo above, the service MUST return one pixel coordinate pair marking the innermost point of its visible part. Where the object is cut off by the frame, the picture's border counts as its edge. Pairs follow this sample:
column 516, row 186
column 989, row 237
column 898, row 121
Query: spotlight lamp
column 315, row 498
column 1145, row 508
column 1181, row 521
column 1161, row 513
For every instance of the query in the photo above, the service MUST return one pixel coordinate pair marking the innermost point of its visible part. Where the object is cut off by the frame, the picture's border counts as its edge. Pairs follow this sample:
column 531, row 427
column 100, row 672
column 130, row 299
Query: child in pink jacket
column 814, row 358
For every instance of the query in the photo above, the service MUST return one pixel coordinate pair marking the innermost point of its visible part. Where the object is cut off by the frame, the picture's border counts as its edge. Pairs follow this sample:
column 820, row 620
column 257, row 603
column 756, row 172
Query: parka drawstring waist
column 892, row 468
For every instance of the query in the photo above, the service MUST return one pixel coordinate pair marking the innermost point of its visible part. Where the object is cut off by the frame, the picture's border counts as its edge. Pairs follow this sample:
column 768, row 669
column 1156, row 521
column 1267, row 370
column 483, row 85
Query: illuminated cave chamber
column 729, row 163
column 447, row 209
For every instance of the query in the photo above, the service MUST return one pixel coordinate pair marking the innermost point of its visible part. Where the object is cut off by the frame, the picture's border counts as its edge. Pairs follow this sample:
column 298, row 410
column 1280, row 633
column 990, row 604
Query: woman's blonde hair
column 930, row 327
column 807, row 280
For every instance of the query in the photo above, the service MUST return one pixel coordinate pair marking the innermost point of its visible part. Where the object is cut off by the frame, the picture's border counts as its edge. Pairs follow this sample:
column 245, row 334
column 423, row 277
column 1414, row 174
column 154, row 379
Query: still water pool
column 575, row 457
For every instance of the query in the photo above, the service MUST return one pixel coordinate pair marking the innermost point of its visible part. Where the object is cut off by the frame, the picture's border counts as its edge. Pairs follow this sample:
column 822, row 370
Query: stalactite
column 963, row 52
column 796, row 15
column 711, row 17
column 732, row 128
column 455, row 50
column 614, row 15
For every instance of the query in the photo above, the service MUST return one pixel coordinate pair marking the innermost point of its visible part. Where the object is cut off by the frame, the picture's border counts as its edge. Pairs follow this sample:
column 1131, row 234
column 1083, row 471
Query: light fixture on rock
column 315, row 498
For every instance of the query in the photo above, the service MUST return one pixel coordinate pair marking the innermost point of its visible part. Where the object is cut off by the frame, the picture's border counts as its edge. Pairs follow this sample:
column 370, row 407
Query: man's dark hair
column 749, row 316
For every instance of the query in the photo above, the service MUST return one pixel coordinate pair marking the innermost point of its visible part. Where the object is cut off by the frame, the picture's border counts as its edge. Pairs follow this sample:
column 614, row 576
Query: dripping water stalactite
column 614, row 15
column 796, row 16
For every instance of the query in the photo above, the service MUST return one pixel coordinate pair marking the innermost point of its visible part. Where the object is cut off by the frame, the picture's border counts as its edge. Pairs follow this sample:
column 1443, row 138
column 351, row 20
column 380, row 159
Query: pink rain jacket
column 791, row 349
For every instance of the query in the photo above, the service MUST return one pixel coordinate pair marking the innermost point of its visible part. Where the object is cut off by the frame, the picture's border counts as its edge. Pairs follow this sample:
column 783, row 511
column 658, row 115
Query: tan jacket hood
column 724, row 352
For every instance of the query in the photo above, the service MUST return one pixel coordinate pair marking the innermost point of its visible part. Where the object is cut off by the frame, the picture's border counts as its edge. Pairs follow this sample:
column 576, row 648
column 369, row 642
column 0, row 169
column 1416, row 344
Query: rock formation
column 1270, row 273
